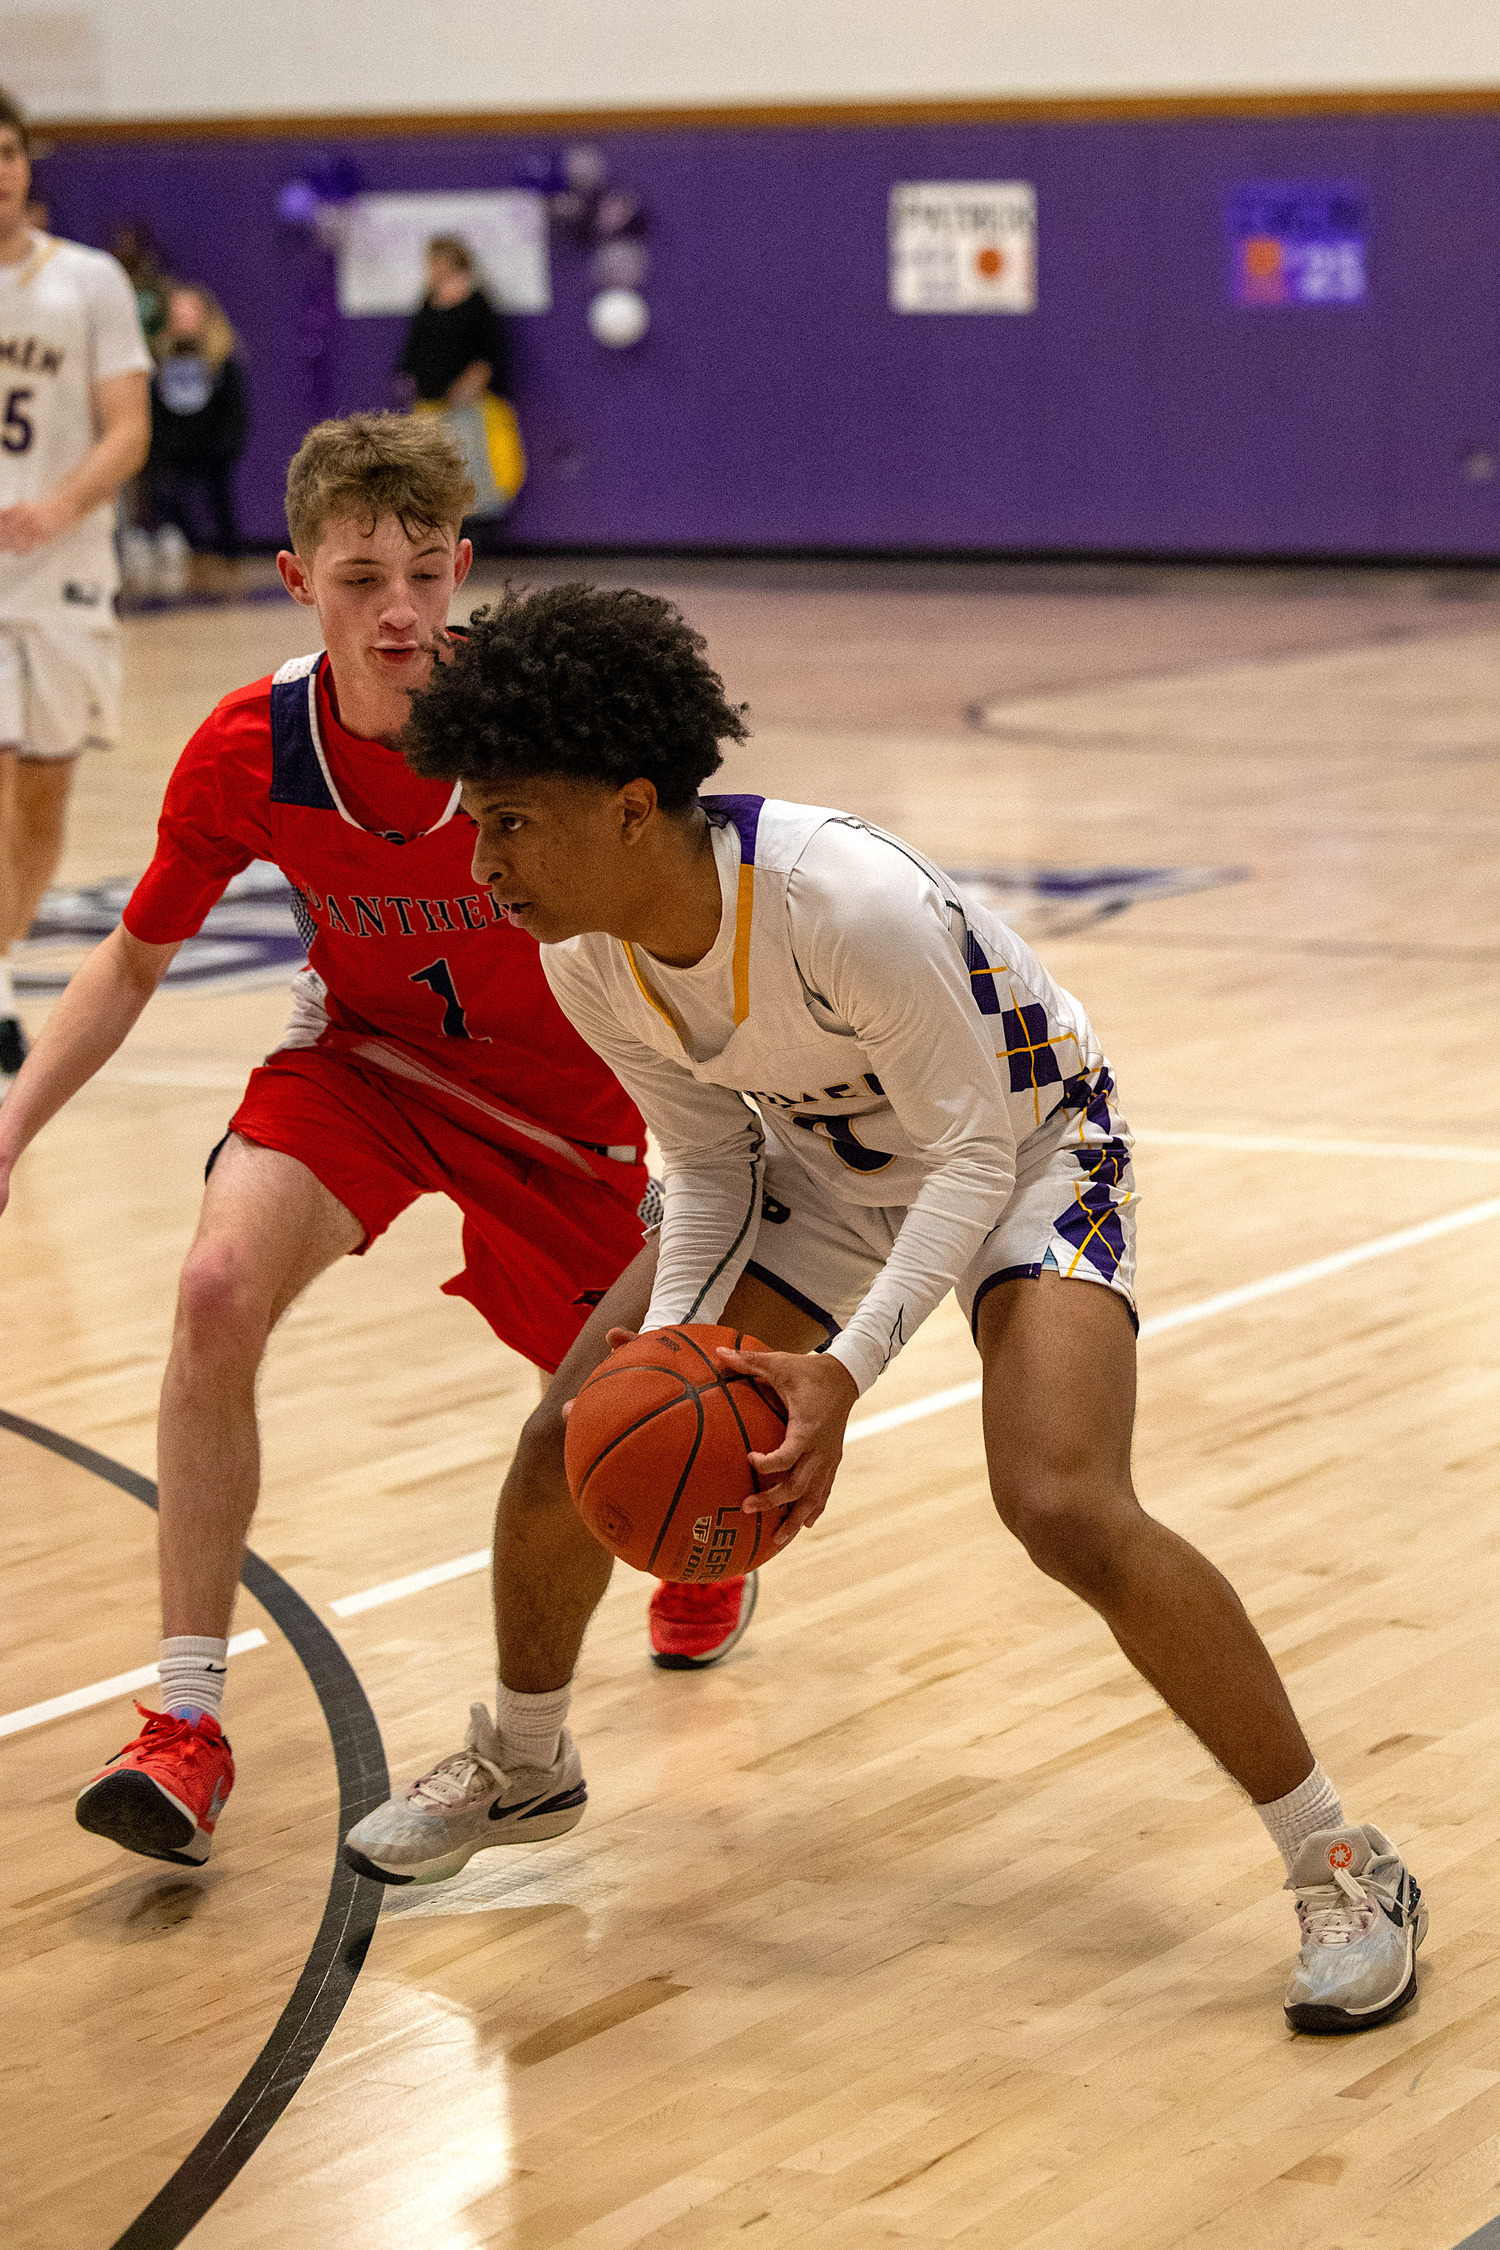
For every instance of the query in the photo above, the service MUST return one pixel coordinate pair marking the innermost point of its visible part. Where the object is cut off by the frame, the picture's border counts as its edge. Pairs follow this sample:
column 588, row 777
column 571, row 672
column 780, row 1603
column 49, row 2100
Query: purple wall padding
column 777, row 402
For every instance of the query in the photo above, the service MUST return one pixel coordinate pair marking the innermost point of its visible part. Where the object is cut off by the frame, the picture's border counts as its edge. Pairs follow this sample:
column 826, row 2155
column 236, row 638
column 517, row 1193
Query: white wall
column 195, row 58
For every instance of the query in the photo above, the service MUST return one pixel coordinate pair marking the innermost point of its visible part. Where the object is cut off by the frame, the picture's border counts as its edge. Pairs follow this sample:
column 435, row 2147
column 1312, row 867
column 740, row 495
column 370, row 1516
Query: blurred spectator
column 138, row 251
column 456, row 360
column 200, row 422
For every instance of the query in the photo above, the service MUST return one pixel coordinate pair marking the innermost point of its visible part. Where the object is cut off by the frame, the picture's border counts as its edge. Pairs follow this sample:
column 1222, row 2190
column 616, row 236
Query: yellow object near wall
column 489, row 436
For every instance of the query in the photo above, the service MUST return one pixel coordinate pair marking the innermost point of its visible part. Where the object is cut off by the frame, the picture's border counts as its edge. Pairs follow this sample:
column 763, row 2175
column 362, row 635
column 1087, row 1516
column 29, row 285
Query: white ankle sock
column 1291, row 1819
column 192, row 1667
column 7, row 989
column 529, row 1725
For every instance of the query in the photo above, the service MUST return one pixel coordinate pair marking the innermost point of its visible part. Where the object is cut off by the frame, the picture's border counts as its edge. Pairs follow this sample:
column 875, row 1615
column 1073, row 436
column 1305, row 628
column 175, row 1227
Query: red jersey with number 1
column 423, row 978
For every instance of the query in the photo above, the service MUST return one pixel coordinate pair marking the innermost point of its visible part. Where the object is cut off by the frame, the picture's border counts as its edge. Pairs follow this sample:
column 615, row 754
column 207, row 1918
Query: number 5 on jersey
column 15, row 428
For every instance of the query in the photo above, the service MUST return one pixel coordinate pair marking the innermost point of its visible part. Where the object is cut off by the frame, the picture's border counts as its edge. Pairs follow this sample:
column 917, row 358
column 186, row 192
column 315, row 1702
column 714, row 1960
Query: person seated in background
column 457, row 360
column 200, row 421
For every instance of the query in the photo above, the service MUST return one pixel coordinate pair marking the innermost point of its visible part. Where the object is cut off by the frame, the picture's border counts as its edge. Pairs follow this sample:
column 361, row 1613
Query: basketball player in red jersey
column 425, row 1054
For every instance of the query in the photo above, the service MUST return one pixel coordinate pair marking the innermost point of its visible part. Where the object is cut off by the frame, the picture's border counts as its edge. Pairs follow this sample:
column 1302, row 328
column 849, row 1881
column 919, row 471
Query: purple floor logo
column 1046, row 902
column 1296, row 242
column 249, row 938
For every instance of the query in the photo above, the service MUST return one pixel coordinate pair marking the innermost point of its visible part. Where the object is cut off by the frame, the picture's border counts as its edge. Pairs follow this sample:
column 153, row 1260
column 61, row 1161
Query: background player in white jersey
column 75, row 424
column 868, row 1092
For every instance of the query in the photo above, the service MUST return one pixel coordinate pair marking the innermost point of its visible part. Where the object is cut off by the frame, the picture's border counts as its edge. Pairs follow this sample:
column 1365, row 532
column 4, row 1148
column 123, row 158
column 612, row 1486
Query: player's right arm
column 91, row 1019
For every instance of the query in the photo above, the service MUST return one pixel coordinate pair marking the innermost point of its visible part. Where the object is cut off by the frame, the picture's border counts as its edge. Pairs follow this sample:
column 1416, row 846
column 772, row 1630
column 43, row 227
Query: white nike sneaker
column 467, row 1804
column 1362, row 1919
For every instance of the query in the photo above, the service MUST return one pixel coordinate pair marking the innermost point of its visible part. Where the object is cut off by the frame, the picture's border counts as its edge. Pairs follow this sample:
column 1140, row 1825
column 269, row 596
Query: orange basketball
column 657, row 1454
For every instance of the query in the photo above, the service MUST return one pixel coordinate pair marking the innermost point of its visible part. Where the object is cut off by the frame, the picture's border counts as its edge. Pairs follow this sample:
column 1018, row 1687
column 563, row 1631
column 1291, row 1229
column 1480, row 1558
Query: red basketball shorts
column 540, row 1245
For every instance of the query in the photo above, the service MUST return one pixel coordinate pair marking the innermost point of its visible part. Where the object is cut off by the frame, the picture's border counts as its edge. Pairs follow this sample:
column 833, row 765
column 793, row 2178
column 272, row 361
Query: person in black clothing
column 456, row 361
column 199, row 425
column 457, row 347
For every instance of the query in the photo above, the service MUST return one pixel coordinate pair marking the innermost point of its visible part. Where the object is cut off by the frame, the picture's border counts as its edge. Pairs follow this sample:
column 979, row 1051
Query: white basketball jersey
column 67, row 320
column 1013, row 1051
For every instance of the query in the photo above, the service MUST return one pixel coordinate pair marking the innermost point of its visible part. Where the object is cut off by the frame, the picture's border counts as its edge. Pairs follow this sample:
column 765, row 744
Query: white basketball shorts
column 1072, row 1212
column 59, row 688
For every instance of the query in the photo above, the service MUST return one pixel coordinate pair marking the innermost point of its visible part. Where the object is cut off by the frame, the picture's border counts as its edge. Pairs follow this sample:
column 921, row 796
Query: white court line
column 1285, row 1144
column 1209, row 1308
column 105, row 1691
column 206, row 1079
column 868, row 1426
column 397, row 1589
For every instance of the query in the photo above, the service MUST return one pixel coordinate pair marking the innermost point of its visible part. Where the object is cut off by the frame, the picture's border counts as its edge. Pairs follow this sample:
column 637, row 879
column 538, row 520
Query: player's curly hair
column 578, row 682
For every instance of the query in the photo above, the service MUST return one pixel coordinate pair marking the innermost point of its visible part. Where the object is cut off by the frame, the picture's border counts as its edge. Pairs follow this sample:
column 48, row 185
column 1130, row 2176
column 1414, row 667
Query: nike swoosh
column 503, row 1812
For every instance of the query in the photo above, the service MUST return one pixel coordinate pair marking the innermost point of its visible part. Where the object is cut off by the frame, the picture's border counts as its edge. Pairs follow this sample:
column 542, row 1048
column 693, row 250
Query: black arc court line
column 349, row 1918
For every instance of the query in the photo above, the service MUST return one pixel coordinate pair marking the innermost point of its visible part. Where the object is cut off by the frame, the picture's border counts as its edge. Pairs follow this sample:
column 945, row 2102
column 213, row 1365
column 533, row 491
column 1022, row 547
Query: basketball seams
column 726, row 1382
column 697, row 1381
column 687, row 1470
column 651, row 1414
column 754, row 1473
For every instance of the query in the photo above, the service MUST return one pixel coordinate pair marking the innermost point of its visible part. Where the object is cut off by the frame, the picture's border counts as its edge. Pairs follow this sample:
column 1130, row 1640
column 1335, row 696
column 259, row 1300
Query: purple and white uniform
column 867, row 1092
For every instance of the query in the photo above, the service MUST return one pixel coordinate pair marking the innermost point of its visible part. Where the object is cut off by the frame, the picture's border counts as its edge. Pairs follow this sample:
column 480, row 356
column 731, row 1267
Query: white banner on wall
column 963, row 246
column 382, row 249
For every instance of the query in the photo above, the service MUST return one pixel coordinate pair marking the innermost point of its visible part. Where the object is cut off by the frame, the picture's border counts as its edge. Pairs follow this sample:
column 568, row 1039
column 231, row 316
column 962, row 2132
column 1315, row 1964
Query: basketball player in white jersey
column 868, row 1092
column 75, row 424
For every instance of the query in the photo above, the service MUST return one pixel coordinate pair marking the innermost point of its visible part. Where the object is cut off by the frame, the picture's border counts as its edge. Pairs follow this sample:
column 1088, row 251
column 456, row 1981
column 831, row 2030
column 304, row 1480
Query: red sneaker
column 693, row 1626
column 163, row 1792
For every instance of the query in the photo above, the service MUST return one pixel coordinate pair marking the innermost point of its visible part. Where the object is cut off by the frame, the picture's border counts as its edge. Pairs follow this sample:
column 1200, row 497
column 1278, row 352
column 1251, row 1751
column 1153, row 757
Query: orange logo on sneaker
column 1341, row 1855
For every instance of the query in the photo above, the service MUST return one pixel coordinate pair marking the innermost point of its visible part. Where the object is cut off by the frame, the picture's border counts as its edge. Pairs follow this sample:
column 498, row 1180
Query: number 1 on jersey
column 438, row 978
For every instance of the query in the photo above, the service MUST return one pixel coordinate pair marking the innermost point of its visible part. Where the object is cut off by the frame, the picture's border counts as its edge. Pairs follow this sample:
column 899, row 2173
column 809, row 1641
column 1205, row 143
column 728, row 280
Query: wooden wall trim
column 1100, row 110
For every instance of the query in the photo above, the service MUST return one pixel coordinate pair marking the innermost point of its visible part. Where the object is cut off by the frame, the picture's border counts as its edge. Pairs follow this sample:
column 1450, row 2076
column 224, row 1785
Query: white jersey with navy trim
column 897, row 1041
column 68, row 319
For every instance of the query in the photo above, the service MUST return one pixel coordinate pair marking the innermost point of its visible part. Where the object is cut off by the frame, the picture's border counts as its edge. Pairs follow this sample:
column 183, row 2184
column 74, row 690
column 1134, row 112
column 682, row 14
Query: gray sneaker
column 465, row 1805
column 1362, row 1919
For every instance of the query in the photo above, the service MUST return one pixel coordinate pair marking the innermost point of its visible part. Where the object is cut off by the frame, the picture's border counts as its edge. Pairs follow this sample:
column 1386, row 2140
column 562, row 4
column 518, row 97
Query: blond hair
column 373, row 465
column 218, row 341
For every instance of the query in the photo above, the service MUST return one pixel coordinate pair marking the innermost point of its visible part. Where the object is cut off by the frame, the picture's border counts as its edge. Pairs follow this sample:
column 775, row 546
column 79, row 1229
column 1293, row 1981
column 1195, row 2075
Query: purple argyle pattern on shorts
column 1091, row 1095
column 1028, row 1049
column 1092, row 1224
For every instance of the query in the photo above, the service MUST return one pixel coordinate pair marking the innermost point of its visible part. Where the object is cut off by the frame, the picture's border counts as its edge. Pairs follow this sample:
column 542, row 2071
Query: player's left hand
column 818, row 1394
column 31, row 524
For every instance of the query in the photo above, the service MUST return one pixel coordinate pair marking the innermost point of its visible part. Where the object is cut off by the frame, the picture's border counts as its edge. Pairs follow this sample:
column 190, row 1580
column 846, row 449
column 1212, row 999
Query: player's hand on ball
column 818, row 1394
column 614, row 1337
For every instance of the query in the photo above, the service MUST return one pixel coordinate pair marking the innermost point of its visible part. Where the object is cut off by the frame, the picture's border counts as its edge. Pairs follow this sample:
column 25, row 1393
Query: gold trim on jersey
column 744, row 915
column 744, row 911
column 668, row 1015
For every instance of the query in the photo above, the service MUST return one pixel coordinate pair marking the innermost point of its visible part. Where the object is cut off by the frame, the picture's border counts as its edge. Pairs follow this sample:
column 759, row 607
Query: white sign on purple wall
column 961, row 246
column 382, row 244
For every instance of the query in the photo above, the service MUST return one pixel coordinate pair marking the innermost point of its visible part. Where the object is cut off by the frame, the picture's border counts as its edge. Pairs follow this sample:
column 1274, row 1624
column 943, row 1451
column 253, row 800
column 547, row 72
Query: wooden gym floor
column 918, row 1922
